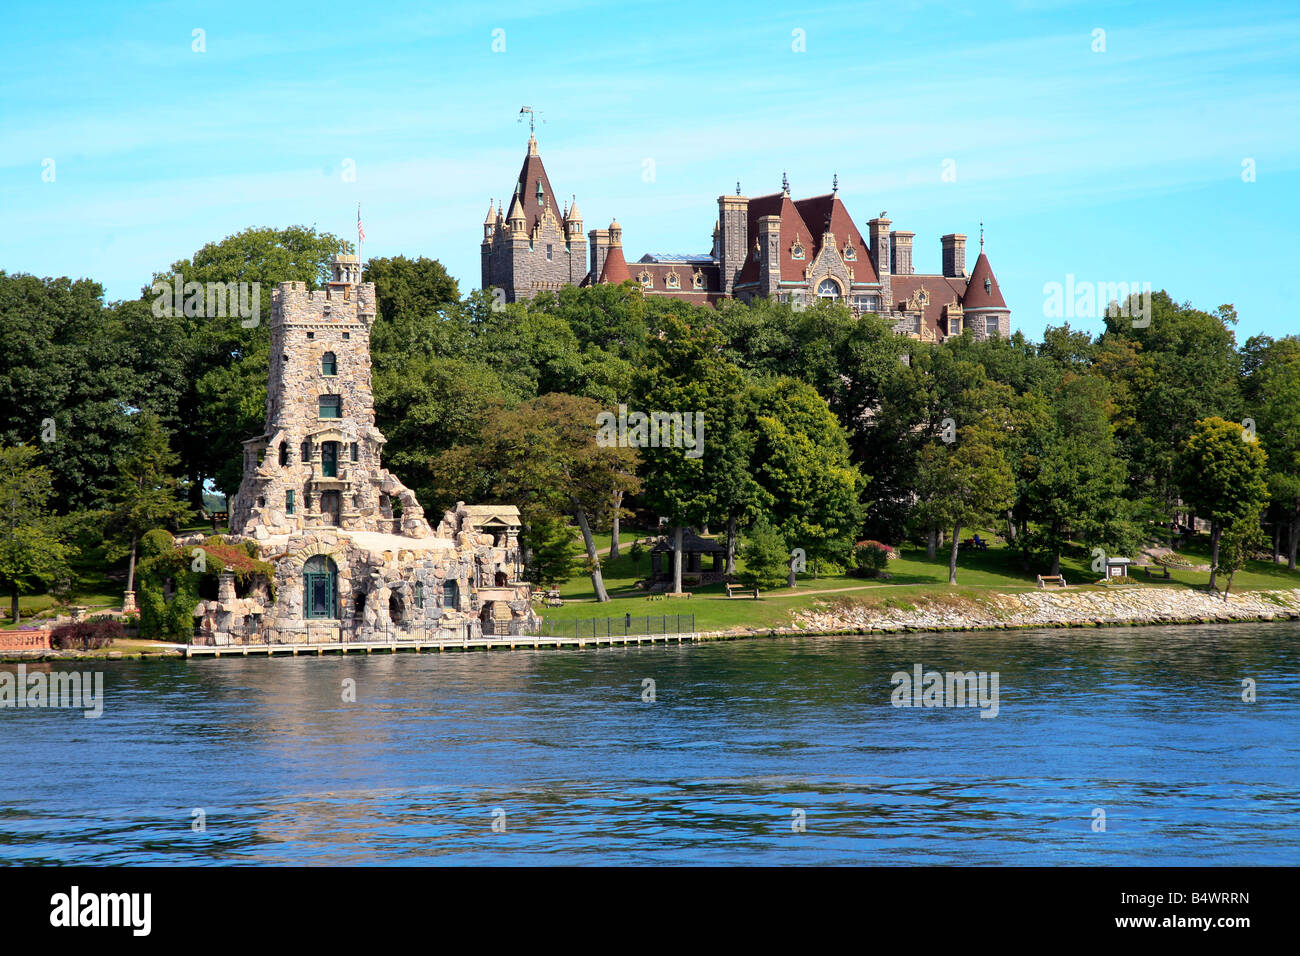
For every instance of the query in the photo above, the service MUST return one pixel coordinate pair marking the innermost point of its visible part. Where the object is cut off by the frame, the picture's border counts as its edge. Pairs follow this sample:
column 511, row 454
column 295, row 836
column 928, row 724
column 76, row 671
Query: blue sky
column 1117, row 165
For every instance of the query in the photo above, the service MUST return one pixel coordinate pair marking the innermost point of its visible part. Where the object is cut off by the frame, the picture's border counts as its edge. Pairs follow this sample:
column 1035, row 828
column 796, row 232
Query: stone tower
column 319, row 462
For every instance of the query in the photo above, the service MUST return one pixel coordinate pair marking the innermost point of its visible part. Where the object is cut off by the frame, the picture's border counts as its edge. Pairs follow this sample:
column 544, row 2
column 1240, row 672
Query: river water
column 759, row 751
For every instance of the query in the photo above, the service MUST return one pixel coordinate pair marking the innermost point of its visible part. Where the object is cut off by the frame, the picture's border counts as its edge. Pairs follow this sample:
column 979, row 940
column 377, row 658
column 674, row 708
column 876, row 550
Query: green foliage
column 765, row 555
column 870, row 558
column 34, row 553
column 554, row 551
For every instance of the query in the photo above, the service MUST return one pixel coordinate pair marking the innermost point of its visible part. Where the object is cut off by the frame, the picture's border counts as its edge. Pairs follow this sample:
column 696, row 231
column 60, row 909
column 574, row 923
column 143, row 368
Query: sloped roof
column 615, row 270
column 530, row 174
column 821, row 211
column 977, row 296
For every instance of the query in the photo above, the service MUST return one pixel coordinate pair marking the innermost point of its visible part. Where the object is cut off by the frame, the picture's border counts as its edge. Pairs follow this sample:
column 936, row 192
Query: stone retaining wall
column 1064, row 608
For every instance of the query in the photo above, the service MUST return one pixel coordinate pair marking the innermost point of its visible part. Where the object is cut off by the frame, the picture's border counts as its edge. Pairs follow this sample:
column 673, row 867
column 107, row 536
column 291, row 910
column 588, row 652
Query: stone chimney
column 954, row 254
column 769, row 243
column 733, row 242
column 598, row 243
column 900, row 252
column 878, row 236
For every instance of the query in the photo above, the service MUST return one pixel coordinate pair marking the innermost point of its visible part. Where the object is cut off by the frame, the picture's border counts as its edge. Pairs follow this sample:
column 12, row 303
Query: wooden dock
column 510, row 643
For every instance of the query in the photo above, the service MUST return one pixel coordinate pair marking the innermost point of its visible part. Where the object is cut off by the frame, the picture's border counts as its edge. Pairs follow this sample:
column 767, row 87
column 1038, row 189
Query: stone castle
column 794, row 250
column 354, row 556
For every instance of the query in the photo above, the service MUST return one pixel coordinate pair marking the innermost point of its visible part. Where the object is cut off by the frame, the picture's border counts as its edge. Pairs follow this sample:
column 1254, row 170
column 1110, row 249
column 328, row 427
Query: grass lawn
column 912, row 575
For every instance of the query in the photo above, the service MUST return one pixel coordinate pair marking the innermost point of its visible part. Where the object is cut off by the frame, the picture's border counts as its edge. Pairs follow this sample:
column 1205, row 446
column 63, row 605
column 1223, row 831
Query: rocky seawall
column 1058, row 608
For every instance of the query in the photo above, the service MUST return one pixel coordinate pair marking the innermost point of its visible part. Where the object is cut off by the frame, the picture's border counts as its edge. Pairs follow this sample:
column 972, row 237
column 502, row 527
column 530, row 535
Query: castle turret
column 318, row 462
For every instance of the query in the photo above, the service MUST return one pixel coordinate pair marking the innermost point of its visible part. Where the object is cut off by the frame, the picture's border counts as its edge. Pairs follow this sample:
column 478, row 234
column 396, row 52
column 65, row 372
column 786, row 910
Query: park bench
column 1152, row 574
column 679, row 594
column 736, row 589
column 1057, row 579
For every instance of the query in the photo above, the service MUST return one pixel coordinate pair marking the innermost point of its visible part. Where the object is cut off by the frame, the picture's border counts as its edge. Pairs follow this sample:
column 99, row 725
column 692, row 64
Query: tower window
column 306, row 451
column 550, row 253
column 419, row 594
column 331, row 406
column 354, row 451
column 450, row 593
column 329, row 364
column 288, row 502
column 284, row 454
column 346, row 336
column 310, row 335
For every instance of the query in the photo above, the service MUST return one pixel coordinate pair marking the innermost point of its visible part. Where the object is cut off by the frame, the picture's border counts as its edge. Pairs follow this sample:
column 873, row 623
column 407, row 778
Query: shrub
column 88, row 635
column 871, row 557
column 155, row 542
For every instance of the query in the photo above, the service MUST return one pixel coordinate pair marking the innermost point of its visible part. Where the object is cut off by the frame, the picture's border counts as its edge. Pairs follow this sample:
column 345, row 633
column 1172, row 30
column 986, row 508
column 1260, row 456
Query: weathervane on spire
column 981, row 235
column 532, row 118
column 835, row 183
column 737, row 187
column 785, row 183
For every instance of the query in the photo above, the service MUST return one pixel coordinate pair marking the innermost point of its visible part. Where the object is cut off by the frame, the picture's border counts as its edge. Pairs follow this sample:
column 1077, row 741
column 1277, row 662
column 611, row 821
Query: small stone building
column 694, row 550
column 355, row 557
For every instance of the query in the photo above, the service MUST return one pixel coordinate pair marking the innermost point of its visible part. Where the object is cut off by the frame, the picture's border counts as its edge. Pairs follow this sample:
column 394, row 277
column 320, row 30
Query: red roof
column 807, row 219
column 529, row 175
column 977, row 297
column 823, row 211
column 942, row 291
column 615, row 270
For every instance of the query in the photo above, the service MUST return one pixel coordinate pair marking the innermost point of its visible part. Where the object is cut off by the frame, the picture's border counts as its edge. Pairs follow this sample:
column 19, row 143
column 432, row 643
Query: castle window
column 284, row 454
column 850, row 254
column 647, row 280
column 991, row 325
column 329, row 364
column 673, row 282
column 288, row 502
column 346, row 336
column 988, row 286
column 419, row 594
column 354, row 451
column 306, row 451
column 550, row 253
column 828, row 289
column 329, row 459
column 796, row 251
column 331, row 406
column 699, row 279
column 310, row 335
column 450, row 593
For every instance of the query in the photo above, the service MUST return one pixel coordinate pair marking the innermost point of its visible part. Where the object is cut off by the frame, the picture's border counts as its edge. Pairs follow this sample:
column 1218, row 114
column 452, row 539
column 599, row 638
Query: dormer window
column 988, row 286
column 329, row 364
column 647, row 280
column 672, row 281
column 796, row 251
column 698, row 280
column 850, row 254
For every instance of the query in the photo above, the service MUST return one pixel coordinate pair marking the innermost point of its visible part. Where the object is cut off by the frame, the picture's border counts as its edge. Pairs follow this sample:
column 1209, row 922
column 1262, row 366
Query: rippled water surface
column 742, row 740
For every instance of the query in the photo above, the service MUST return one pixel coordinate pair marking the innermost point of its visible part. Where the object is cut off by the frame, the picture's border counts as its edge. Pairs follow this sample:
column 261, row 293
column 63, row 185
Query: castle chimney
column 733, row 239
column 900, row 252
column 954, row 254
column 878, row 236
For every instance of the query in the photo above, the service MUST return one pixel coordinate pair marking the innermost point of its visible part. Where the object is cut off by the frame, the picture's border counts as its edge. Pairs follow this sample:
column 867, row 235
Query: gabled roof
column 808, row 220
column 977, row 296
column 821, row 211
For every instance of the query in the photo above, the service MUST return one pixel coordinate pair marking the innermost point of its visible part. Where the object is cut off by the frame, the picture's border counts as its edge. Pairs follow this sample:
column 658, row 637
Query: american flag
column 361, row 230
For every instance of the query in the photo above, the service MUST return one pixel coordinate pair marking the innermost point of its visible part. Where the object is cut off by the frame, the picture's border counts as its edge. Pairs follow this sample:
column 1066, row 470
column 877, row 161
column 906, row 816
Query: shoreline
column 998, row 612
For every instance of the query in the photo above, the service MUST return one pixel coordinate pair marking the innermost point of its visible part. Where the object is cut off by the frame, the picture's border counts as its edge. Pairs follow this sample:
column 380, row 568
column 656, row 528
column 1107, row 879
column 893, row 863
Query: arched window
column 284, row 454
column 320, row 588
column 828, row 289
column 451, row 593
column 329, row 364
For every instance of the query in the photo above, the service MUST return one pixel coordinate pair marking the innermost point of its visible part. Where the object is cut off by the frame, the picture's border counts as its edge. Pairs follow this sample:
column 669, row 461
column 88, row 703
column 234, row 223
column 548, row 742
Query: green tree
column 1222, row 476
column 765, row 555
column 146, row 495
column 554, row 550
column 963, row 483
column 1271, row 388
column 1240, row 535
column 1077, row 483
column 33, row 553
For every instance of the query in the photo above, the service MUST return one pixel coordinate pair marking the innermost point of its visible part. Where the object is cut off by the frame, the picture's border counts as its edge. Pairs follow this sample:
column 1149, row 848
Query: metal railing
column 625, row 626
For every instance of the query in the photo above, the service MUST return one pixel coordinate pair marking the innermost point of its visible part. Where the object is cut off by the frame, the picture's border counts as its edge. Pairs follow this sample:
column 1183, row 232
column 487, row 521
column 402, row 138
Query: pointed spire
column 516, row 213
column 532, row 145
column 491, row 215
column 574, row 215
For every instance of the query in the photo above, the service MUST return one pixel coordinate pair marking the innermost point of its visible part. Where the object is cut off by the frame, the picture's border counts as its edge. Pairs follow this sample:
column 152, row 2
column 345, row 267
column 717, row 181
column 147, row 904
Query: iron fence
column 625, row 626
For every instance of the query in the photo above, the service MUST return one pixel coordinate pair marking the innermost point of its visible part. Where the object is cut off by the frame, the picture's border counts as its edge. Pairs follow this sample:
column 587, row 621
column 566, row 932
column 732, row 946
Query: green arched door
column 320, row 588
